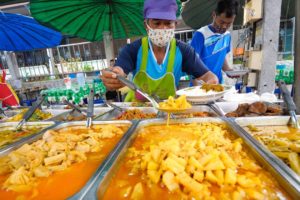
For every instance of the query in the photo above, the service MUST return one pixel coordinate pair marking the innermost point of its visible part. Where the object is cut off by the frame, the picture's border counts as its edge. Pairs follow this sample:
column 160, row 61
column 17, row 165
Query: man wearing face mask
column 157, row 61
column 212, row 42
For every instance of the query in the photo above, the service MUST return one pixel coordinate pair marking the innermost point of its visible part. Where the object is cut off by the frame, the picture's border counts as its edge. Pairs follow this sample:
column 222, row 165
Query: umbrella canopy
column 198, row 13
column 21, row 33
column 88, row 19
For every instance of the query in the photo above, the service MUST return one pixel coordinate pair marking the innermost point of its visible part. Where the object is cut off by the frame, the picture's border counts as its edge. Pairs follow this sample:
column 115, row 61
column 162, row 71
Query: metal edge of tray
column 113, row 164
column 265, row 121
column 30, row 138
column 105, row 164
column 279, row 171
column 97, row 111
column 217, row 109
column 62, row 112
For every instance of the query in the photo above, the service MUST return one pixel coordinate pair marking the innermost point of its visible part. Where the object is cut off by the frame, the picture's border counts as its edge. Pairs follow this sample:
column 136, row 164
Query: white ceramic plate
column 197, row 95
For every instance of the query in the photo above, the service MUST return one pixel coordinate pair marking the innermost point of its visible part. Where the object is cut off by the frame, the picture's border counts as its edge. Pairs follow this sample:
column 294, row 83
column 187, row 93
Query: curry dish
column 135, row 114
column 190, row 161
column 283, row 141
column 38, row 115
column 9, row 135
column 59, row 164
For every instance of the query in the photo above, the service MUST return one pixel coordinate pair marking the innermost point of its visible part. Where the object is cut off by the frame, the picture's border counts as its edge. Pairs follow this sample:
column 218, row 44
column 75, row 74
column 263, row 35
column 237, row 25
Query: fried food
column 256, row 109
column 213, row 87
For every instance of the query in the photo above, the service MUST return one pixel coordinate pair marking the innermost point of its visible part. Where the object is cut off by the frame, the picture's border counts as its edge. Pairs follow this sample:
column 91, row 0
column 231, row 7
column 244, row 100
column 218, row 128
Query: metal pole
column 297, row 56
column 271, row 22
column 108, row 46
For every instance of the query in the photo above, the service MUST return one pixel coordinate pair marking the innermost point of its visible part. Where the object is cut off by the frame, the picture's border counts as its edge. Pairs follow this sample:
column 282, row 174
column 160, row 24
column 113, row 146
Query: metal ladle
column 153, row 101
column 290, row 104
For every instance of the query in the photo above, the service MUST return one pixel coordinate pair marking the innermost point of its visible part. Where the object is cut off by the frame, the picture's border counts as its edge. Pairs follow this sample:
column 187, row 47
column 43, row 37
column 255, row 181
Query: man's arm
column 125, row 63
column 193, row 65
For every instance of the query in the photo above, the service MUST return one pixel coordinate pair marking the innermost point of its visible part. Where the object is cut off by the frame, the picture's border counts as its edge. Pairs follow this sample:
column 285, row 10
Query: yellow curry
column 9, row 135
column 283, row 141
column 190, row 161
column 38, row 115
column 59, row 164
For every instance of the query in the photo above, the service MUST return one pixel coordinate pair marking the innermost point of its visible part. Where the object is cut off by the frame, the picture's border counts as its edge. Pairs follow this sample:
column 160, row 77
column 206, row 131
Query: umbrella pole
column 297, row 57
column 108, row 47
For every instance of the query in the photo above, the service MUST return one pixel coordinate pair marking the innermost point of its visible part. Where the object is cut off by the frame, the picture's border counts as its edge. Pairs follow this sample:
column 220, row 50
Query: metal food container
column 103, row 178
column 17, row 143
column 69, row 114
column 9, row 113
column 268, row 121
column 131, row 126
column 115, row 113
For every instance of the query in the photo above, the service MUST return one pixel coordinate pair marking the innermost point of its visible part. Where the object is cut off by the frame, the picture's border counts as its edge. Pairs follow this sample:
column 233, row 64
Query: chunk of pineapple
column 170, row 182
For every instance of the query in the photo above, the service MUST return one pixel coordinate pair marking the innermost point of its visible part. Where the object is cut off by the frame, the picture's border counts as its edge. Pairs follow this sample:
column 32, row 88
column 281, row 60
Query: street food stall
column 133, row 150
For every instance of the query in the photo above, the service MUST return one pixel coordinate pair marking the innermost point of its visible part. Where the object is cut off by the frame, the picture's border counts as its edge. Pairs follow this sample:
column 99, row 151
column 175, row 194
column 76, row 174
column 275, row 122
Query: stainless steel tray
column 102, row 166
column 16, row 144
column 268, row 121
column 10, row 113
column 103, row 179
column 97, row 111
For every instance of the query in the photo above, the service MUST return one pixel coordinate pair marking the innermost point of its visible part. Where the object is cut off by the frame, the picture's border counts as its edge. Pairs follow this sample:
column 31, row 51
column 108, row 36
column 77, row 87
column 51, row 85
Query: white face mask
column 160, row 37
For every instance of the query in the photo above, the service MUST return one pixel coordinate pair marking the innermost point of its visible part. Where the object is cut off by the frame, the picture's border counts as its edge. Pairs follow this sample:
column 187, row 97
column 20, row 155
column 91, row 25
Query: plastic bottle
column 80, row 79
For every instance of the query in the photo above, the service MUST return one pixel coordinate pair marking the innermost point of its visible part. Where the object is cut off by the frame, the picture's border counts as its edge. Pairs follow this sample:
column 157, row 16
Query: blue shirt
column 212, row 48
column 186, row 61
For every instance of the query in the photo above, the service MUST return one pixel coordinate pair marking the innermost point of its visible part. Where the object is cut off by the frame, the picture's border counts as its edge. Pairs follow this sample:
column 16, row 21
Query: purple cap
column 160, row 9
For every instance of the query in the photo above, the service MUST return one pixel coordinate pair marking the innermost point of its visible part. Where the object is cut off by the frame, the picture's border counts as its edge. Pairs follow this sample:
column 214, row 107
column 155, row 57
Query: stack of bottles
column 76, row 94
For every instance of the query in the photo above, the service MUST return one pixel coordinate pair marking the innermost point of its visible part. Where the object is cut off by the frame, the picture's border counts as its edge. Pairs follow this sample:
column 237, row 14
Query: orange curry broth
column 63, row 184
column 157, row 191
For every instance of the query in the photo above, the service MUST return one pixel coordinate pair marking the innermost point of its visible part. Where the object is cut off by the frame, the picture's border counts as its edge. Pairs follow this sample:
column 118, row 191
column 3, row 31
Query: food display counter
column 191, row 158
column 133, row 153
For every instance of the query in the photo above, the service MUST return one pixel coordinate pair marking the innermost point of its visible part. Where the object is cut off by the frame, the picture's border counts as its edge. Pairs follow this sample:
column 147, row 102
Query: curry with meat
column 191, row 161
column 59, row 164
column 135, row 114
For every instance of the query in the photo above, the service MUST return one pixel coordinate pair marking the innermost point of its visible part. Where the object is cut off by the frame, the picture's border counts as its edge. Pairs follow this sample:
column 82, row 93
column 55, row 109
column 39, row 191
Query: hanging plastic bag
column 8, row 96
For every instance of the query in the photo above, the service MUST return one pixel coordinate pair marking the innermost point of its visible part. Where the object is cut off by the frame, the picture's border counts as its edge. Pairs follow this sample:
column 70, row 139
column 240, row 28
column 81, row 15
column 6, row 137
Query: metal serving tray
column 18, row 143
column 97, row 111
column 268, row 121
column 102, row 166
column 9, row 113
column 110, row 156
column 103, row 178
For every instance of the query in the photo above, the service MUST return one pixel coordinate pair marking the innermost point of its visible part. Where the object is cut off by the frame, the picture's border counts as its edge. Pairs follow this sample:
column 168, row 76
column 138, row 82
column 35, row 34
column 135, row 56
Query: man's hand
column 109, row 78
column 209, row 78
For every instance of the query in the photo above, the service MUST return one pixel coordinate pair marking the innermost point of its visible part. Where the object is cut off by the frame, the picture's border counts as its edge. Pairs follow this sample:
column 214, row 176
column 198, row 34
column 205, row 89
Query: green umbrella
column 88, row 19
